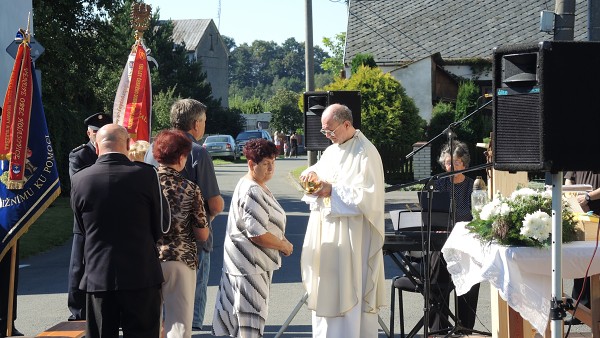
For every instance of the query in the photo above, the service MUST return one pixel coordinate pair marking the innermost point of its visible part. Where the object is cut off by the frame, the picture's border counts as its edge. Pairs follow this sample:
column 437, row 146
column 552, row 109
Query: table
column 522, row 275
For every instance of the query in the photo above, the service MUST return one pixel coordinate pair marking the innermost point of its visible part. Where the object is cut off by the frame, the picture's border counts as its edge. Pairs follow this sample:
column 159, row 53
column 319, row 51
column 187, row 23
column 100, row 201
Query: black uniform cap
column 98, row 120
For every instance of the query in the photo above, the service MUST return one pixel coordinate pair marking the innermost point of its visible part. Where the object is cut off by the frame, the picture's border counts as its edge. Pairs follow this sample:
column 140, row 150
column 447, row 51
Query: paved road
column 43, row 279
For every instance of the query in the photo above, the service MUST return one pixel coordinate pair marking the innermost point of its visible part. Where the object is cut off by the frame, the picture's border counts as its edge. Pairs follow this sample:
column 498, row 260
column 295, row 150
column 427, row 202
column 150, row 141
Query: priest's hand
column 310, row 176
column 325, row 190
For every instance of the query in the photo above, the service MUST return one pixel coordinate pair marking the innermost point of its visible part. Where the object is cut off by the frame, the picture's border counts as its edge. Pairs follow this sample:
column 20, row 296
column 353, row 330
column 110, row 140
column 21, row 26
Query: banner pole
column 11, row 289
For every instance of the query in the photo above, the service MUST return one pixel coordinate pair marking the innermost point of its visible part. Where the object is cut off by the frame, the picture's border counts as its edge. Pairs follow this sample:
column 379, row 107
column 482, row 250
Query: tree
column 260, row 69
column 334, row 64
column 442, row 116
column 224, row 121
column 284, row 109
column 466, row 103
column 471, row 131
column 362, row 60
column 253, row 105
column 388, row 115
column 161, row 109
column 87, row 45
column 77, row 38
column 229, row 43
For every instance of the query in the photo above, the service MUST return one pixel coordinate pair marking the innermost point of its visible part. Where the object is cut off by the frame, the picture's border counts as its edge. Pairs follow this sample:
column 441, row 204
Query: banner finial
column 140, row 18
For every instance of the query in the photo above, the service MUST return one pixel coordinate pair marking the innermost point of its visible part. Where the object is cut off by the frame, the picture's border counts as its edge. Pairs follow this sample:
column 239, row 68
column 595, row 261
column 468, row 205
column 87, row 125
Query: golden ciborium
column 310, row 187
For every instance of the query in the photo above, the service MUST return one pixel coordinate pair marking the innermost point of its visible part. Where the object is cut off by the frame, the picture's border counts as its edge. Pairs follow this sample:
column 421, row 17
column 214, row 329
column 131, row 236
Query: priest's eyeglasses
column 330, row 132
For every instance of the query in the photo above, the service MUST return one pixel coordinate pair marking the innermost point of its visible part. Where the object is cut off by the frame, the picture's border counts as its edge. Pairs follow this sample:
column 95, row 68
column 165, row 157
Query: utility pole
column 564, row 19
column 564, row 29
column 309, row 64
column 593, row 20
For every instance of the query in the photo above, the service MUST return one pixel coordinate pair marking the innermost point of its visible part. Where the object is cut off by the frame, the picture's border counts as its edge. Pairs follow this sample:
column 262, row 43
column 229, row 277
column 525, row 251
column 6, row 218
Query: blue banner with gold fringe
column 19, row 208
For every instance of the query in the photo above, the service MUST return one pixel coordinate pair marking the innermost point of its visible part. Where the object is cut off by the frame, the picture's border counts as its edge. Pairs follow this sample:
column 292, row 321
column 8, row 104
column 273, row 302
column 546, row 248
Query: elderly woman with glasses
column 463, row 187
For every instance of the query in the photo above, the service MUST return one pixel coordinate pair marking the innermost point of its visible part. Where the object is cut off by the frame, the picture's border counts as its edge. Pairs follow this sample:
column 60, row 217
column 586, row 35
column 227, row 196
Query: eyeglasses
column 330, row 132
column 456, row 163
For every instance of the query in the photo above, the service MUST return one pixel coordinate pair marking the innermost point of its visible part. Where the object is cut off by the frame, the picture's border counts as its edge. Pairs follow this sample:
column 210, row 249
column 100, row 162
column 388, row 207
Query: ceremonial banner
column 29, row 181
column 133, row 102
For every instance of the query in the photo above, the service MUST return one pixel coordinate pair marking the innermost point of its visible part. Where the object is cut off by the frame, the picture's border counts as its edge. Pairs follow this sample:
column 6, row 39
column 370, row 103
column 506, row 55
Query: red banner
column 137, row 114
column 9, row 106
column 20, row 123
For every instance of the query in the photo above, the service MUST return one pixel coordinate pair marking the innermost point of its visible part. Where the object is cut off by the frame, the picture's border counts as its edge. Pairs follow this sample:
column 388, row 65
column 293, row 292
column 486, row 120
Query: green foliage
column 161, row 109
column 322, row 80
column 362, row 60
column 75, row 35
column 253, row 105
column 471, row 131
column 224, row 121
column 285, row 114
column 441, row 117
column 466, row 102
column 334, row 64
column 388, row 115
column 263, row 67
column 87, row 44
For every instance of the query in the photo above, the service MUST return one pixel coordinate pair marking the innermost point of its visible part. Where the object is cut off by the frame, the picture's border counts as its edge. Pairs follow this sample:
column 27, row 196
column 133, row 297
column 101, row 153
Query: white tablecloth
column 522, row 275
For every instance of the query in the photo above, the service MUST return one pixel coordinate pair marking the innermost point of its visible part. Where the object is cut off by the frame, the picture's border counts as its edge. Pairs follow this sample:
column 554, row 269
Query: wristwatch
column 587, row 197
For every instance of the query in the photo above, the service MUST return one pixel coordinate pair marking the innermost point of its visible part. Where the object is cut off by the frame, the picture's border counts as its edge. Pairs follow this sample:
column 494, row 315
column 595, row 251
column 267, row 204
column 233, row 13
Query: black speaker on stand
column 546, row 107
column 314, row 105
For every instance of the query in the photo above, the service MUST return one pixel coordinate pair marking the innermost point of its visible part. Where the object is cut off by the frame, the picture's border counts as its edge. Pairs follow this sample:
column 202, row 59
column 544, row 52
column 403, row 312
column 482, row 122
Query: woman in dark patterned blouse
column 254, row 240
column 463, row 187
column 177, row 248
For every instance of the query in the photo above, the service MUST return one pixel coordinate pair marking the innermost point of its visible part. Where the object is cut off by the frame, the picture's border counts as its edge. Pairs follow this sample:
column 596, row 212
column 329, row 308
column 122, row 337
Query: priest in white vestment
column 342, row 257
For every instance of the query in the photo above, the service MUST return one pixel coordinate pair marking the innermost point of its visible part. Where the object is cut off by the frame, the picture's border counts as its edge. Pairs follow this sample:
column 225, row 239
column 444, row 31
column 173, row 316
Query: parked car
column 247, row 135
column 222, row 146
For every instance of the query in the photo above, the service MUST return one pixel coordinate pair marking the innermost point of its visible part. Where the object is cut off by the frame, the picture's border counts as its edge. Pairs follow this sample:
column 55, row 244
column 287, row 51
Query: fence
column 396, row 168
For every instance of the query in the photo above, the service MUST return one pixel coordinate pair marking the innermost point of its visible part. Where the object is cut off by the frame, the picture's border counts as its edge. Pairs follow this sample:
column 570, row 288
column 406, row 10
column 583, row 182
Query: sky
column 270, row 20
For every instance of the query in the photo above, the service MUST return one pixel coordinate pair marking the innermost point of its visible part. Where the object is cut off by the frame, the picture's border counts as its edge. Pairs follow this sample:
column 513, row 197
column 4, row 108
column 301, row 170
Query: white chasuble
column 339, row 268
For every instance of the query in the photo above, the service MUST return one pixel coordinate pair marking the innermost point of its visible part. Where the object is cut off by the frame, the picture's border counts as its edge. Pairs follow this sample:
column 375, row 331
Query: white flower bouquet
column 523, row 219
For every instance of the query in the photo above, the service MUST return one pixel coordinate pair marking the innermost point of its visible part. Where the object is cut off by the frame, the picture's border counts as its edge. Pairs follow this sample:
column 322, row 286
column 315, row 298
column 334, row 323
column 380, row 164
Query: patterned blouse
column 462, row 196
column 253, row 212
column 187, row 212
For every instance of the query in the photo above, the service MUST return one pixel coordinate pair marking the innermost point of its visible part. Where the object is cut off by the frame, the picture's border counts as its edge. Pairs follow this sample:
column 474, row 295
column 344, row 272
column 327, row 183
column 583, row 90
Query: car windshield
column 216, row 139
column 248, row 135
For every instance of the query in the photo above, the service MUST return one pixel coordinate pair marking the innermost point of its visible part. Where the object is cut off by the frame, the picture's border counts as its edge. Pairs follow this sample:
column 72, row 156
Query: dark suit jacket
column 82, row 156
column 117, row 205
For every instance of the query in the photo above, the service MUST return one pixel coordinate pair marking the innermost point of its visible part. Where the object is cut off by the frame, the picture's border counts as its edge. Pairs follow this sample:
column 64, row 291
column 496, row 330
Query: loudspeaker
column 545, row 106
column 314, row 105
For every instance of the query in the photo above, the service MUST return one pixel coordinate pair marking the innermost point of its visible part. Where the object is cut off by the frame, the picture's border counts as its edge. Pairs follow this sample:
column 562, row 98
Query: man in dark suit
column 80, row 157
column 118, row 208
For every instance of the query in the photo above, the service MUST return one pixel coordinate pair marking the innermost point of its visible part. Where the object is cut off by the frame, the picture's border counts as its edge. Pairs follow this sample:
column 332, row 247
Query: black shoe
column 573, row 321
column 16, row 333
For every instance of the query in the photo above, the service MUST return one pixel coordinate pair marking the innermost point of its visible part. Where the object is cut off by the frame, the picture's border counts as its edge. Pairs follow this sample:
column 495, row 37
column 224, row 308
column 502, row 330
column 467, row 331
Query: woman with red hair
column 177, row 248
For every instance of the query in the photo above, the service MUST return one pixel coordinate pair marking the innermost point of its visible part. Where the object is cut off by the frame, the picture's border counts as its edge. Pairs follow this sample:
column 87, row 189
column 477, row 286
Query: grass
column 296, row 172
column 53, row 228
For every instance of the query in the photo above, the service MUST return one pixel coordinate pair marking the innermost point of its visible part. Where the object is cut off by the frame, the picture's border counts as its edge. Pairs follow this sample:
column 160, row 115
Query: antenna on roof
column 219, row 16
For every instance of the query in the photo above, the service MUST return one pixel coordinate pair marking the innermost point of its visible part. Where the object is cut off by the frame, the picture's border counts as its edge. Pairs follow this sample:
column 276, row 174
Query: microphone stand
column 426, row 247
column 412, row 153
column 427, row 239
